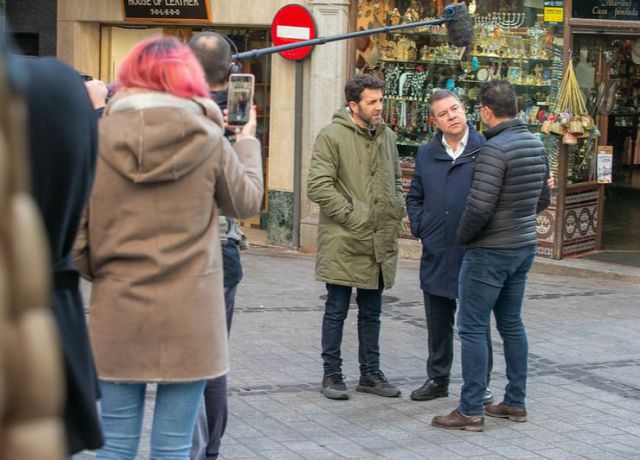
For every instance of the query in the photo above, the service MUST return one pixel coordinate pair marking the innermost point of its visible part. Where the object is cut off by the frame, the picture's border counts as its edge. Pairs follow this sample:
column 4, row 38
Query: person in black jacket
column 63, row 137
column 214, row 53
column 498, row 230
column 435, row 203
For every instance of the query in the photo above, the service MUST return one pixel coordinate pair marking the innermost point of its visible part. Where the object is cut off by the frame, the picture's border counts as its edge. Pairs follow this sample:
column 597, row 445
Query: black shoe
column 431, row 390
column 488, row 397
column 377, row 383
column 333, row 387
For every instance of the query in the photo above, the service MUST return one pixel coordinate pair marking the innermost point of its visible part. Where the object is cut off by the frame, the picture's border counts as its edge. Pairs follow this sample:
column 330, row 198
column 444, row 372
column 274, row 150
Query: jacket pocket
column 359, row 219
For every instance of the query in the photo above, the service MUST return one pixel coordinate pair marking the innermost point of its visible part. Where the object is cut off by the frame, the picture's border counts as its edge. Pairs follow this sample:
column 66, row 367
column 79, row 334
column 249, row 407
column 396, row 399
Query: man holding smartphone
column 214, row 53
column 355, row 179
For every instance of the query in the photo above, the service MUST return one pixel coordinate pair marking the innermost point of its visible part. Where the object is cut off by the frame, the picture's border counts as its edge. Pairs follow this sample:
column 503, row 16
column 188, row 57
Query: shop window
column 511, row 42
column 609, row 80
column 118, row 40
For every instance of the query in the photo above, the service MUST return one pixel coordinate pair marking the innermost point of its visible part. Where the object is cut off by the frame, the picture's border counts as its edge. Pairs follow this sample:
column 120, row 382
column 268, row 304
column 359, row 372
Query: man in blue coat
column 435, row 203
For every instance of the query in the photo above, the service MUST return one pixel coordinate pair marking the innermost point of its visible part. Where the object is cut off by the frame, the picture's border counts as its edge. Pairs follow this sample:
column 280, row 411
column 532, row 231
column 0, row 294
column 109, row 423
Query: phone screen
column 240, row 99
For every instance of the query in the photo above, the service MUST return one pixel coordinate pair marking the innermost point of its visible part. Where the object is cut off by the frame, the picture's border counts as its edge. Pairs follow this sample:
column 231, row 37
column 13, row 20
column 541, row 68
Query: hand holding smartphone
column 239, row 98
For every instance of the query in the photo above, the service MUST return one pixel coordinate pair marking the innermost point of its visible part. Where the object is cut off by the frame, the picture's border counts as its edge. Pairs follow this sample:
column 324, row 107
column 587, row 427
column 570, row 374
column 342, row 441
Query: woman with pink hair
column 150, row 244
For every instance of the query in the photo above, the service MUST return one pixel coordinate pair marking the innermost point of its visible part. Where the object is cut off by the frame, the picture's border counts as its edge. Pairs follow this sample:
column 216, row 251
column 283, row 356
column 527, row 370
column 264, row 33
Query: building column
column 324, row 95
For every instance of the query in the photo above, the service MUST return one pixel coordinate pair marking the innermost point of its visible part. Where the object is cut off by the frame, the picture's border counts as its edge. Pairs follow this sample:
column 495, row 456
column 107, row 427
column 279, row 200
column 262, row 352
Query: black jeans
column 440, row 315
column 335, row 312
column 215, row 393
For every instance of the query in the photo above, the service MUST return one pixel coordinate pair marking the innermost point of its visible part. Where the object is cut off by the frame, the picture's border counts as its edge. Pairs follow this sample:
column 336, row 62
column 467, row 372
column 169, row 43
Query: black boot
column 333, row 387
column 431, row 389
column 377, row 384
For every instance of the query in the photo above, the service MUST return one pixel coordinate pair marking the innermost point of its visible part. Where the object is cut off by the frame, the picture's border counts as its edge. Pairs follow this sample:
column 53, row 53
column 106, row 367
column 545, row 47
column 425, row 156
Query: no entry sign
column 291, row 24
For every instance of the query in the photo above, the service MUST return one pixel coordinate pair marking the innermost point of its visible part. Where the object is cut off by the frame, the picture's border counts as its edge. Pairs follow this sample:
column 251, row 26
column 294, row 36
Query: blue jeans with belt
column 493, row 280
column 335, row 312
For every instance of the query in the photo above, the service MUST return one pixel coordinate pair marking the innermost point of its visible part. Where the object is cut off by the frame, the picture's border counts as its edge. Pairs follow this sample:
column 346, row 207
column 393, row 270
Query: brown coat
column 151, row 242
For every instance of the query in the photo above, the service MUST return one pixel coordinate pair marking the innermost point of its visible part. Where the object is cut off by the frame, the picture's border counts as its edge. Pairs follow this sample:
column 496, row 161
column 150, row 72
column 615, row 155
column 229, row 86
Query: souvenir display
column 414, row 62
column 509, row 44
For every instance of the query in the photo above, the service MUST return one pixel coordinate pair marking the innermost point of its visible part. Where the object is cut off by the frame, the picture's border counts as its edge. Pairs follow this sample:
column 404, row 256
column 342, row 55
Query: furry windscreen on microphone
column 460, row 27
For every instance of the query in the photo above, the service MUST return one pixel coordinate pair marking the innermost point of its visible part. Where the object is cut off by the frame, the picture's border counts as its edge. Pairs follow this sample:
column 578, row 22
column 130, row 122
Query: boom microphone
column 456, row 16
column 460, row 25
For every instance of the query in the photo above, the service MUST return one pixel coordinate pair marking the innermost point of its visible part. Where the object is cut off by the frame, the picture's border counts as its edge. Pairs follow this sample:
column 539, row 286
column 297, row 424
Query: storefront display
column 511, row 42
column 601, row 172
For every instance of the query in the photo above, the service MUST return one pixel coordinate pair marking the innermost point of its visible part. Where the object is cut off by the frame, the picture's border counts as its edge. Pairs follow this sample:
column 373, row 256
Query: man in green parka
column 355, row 179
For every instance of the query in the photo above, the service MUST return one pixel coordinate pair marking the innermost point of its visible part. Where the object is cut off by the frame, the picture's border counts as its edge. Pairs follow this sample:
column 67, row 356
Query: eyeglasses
column 479, row 106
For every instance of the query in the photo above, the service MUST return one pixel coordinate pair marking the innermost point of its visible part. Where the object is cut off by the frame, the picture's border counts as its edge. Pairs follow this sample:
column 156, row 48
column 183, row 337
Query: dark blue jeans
column 493, row 279
column 335, row 312
column 215, row 392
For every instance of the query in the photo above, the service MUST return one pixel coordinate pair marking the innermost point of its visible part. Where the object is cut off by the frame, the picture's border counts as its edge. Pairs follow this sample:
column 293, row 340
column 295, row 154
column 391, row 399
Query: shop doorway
column 608, row 71
column 117, row 40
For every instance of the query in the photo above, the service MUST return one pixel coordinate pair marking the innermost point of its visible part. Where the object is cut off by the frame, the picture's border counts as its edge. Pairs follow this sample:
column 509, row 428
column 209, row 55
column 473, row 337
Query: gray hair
column 440, row 94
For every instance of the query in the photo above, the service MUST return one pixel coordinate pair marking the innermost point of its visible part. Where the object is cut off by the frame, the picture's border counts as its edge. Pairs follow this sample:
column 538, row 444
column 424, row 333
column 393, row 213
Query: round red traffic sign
column 293, row 23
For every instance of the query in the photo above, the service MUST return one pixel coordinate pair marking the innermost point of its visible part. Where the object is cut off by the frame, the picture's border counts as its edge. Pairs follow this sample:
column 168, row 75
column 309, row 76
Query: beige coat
column 151, row 241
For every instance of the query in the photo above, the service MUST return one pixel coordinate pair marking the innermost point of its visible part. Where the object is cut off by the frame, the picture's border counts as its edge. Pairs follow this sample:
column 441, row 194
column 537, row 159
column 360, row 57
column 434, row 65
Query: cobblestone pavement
column 583, row 389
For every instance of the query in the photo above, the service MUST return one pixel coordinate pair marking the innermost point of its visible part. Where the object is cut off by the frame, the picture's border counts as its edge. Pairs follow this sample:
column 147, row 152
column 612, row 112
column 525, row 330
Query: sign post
column 291, row 24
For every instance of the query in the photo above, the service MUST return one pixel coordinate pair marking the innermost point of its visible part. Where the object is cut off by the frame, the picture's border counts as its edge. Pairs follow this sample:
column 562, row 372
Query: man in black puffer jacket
column 498, row 230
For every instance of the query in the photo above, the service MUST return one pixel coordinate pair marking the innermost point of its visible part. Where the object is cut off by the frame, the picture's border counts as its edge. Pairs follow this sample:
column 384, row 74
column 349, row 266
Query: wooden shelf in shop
column 527, row 85
column 509, row 58
column 451, row 62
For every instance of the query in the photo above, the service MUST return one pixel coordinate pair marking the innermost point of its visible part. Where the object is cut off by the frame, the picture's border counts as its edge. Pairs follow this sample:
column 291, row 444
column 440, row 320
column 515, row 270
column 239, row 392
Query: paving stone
column 622, row 450
column 466, row 448
column 306, row 448
column 513, row 452
column 404, row 454
column 351, row 450
column 280, row 454
column 587, row 437
column 558, row 454
column 634, row 430
column 237, row 451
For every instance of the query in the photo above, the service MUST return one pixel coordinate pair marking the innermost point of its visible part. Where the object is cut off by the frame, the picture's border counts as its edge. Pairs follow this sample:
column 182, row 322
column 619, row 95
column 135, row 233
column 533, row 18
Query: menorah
column 503, row 20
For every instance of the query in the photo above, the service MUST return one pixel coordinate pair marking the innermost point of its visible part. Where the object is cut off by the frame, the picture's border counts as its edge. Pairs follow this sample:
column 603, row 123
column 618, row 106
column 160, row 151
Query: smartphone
column 239, row 98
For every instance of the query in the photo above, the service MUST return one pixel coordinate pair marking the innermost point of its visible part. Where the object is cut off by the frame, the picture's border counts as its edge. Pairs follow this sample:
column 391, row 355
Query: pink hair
column 163, row 64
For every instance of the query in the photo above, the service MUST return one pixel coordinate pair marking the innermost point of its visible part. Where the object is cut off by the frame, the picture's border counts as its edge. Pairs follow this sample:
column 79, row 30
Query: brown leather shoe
column 502, row 410
column 456, row 420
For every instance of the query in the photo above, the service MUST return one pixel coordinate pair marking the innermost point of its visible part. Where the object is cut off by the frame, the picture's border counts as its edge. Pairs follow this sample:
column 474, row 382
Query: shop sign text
column 167, row 10
column 625, row 10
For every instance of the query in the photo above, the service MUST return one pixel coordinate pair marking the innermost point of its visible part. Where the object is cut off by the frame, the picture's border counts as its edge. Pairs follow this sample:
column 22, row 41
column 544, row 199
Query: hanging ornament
column 451, row 84
column 570, row 119
column 471, row 8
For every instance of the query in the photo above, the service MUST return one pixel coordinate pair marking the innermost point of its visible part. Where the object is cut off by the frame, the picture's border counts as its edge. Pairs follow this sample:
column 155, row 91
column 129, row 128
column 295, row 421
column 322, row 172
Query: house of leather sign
column 625, row 10
column 167, row 10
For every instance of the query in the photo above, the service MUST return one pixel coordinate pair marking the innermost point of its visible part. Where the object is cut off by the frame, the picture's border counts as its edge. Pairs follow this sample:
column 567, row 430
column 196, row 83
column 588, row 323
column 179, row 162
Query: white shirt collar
column 460, row 147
